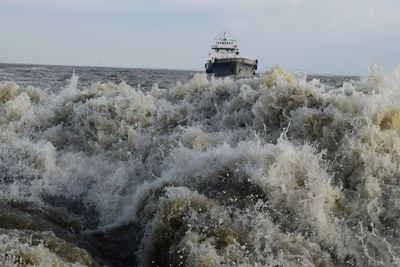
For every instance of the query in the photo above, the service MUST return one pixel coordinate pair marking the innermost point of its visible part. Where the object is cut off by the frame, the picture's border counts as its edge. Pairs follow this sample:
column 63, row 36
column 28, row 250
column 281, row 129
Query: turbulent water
column 276, row 170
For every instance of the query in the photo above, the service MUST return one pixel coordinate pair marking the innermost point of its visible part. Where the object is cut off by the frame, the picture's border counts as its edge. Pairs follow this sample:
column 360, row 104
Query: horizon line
column 159, row 68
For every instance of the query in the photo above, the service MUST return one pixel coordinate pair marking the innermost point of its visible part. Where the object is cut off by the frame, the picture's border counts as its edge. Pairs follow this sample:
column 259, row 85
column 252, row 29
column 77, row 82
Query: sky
column 316, row 36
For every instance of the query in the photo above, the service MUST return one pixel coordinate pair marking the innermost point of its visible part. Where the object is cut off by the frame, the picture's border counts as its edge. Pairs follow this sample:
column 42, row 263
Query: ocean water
column 188, row 170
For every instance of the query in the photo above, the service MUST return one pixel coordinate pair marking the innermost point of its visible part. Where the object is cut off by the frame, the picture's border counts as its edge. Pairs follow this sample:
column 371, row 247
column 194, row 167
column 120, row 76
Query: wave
column 274, row 170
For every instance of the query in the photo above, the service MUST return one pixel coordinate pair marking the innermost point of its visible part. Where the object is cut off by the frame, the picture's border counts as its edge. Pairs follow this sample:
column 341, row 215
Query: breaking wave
column 269, row 171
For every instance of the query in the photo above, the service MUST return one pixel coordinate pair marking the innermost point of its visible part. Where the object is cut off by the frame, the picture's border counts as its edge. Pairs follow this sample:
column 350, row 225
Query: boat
column 225, row 60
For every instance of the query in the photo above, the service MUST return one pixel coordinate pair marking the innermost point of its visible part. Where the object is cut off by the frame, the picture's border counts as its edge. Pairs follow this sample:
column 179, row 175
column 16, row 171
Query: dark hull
column 241, row 67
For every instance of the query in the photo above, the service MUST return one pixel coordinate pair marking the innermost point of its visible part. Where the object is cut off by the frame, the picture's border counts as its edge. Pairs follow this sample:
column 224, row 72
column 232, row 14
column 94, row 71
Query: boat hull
column 241, row 67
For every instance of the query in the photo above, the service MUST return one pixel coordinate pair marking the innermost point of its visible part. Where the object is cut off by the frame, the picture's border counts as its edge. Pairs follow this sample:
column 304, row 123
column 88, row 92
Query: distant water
column 188, row 170
column 55, row 77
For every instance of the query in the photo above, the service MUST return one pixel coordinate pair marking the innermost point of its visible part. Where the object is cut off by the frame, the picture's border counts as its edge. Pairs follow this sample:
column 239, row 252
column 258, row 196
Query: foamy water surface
column 276, row 170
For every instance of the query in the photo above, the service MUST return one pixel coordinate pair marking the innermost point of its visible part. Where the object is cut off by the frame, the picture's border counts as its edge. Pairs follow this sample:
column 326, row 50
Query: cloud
column 311, row 34
column 66, row 4
column 229, row 4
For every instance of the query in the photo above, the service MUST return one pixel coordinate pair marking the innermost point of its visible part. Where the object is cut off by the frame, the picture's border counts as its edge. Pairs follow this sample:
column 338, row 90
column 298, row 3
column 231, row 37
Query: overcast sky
column 316, row 36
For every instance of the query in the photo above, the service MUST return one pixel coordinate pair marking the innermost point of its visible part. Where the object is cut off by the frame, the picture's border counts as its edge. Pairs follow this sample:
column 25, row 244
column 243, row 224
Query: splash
column 269, row 171
column 26, row 248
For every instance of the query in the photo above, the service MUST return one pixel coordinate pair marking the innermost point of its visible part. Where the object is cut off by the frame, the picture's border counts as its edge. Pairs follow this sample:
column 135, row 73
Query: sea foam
column 268, row 171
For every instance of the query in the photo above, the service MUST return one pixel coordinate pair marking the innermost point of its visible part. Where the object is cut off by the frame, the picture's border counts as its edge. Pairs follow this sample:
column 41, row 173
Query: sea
column 142, row 167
